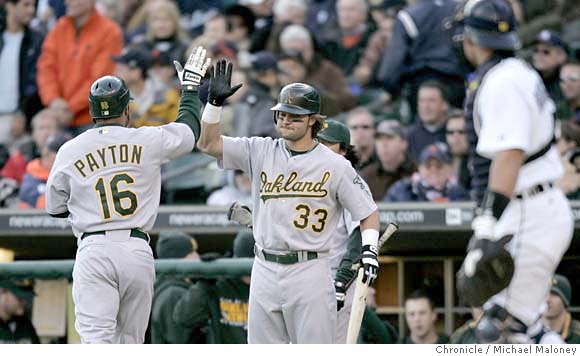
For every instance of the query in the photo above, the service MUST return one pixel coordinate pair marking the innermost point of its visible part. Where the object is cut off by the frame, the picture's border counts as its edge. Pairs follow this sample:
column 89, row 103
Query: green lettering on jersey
column 136, row 154
column 112, row 149
column 92, row 162
column 124, row 153
column 79, row 165
column 292, row 187
column 101, row 154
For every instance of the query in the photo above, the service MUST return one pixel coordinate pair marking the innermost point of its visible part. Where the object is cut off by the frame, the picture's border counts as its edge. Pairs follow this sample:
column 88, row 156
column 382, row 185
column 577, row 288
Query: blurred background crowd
column 386, row 68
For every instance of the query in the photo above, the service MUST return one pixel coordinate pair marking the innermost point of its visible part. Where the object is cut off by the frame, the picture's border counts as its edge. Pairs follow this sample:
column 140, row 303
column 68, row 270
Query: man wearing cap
column 557, row 317
column 170, row 290
column 434, row 181
column 252, row 112
column 15, row 326
column 393, row 161
column 570, row 85
column 549, row 54
column 224, row 303
column 152, row 105
column 34, row 181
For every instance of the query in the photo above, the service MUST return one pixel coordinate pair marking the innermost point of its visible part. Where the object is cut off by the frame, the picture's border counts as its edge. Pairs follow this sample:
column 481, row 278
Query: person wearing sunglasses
column 549, row 54
column 570, row 85
column 456, row 139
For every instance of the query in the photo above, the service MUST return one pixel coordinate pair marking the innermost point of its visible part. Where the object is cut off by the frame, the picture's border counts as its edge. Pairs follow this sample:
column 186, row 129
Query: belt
column 535, row 190
column 287, row 258
column 134, row 233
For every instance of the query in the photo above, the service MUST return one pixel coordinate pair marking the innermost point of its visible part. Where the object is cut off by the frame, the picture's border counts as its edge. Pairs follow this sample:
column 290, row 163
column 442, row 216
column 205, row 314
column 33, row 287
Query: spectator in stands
column 170, row 290
column 163, row 30
column 346, row 45
column 34, row 182
column 361, row 124
column 239, row 188
column 8, row 186
column 321, row 72
column 151, row 105
column 393, row 161
column 15, row 325
column 421, row 316
column 20, row 48
column 293, row 69
column 466, row 333
column 434, row 182
column 557, row 317
column 44, row 124
column 241, row 24
column 75, row 53
column 252, row 113
column 570, row 85
column 540, row 14
column 456, row 139
column 550, row 53
column 420, row 50
column 224, row 304
column 286, row 12
column 263, row 10
column 363, row 72
column 215, row 29
column 162, row 70
column 432, row 109
column 567, row 143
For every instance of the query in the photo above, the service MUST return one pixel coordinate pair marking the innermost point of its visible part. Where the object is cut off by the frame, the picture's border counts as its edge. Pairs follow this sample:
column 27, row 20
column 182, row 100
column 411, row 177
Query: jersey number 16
column 117, row 195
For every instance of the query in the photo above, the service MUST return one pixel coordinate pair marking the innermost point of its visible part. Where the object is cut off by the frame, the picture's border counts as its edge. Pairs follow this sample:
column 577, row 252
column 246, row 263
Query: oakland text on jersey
column 292, row 187
column 107, row 156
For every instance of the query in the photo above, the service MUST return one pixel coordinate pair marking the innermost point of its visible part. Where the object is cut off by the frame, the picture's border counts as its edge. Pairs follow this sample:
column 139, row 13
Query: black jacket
column 28, row 99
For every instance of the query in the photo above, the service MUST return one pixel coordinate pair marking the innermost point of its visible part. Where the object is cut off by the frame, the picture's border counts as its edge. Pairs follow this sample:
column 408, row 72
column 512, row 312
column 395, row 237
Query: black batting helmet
column 491, row 24
column 298, row 99
column 108, row 98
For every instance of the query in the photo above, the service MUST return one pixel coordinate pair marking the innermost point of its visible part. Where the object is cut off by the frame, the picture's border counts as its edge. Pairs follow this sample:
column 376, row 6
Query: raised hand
column 190, row 76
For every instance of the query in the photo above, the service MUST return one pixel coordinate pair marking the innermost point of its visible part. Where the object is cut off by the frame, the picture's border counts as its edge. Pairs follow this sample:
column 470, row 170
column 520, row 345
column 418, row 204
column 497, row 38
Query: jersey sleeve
column 504, row 113
column 354, row 194
column 176, row 140
column 57, row 190
column 243, row 153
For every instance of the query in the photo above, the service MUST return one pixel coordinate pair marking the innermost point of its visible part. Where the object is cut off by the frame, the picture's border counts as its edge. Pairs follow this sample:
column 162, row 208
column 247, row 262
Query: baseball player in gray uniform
column 107, row 182
column 299, row 190
column 524, row 223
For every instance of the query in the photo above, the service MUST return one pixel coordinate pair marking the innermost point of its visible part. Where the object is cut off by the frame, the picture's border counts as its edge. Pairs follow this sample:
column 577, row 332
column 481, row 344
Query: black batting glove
column 340, row 290
column 370, row 264
column 220, row 79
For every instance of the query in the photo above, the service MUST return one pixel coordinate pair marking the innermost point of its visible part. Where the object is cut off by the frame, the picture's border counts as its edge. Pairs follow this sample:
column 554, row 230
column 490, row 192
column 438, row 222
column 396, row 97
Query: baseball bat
column 360, row 294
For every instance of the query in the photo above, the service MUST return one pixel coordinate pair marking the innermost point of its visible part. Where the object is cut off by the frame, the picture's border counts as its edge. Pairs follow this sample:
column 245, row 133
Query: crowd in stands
column 386, row 68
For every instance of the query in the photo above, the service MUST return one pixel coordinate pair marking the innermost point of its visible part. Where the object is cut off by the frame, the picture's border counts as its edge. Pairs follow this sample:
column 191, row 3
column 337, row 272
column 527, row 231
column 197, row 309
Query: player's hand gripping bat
column 361, row 290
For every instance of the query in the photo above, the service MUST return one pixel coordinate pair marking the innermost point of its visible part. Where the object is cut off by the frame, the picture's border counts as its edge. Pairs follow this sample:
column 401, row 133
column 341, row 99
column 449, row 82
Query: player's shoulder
column 325, row 154
column 509, row 72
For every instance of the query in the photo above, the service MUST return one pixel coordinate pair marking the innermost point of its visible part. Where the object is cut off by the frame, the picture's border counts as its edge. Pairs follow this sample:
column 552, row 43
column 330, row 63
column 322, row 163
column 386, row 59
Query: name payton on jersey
column 292, row 187
column 107, row 156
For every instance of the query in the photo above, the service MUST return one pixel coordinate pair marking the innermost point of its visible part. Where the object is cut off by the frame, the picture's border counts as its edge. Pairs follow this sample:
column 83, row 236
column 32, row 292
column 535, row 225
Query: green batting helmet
column 108, row 98
column 298, row 99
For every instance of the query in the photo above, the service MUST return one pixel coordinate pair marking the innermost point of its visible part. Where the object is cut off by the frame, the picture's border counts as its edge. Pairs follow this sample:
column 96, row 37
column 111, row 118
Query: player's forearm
column 188, row 113
column 504, row 171
column 210, row 141
column 371, row 222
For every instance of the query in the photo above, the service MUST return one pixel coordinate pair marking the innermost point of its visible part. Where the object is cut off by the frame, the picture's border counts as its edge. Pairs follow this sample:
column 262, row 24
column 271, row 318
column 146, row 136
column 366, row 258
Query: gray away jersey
column 109, row 177
column 298, row 200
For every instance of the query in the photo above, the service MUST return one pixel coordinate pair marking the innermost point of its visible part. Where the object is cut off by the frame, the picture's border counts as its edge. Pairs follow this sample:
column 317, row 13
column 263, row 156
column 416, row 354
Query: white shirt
column 9, row 69
column 514, row 111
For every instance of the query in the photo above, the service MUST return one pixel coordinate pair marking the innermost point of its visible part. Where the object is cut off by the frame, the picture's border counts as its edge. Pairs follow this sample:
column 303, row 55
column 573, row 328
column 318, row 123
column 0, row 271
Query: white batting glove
column 241, row 214
column 195, row 68
column 483, row 227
